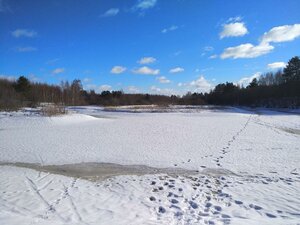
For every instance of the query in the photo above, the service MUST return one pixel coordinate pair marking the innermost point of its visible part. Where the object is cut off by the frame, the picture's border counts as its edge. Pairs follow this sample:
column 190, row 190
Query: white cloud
column 201, row 85
column 8, row 77
column 246, row 51
column 105, row 87
column 234, row 19
column 34, row 78
column 281, row 34
column 90, row 87
column 111, row 12
column 235, row 29
column 213, row 56
column 276, row 65
column 147, row 60
column 118, row 69
column 24, row 33
column 168, row 29
column 198, row 85
column 133, row 89
column 163, row 80
column 146, row 71
column 176, row 70
column 145, row 4
column 26, row 49
column 58, row 70
column 276, row 34
column 246, row 80
column 87, row 80
column 162, row 91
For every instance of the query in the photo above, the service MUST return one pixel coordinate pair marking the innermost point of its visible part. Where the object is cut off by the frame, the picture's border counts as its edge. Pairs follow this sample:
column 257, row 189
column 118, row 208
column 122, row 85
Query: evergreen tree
column 292, row 70
column 253, row 84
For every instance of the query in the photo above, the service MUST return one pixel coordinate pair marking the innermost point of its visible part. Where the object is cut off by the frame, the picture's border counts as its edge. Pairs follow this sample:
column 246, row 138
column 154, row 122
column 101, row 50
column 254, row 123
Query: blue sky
column 154, row 46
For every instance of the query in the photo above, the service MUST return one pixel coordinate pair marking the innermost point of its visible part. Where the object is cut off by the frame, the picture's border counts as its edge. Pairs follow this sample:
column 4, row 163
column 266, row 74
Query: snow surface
column 248, row 163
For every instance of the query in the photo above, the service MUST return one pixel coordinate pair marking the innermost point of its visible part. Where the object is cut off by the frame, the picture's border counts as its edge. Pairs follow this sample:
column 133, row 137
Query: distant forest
column 272, row 89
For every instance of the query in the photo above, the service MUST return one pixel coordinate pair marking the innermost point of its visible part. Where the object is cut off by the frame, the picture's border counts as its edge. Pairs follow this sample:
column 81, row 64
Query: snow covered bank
column 248, row 167
column 31, row 197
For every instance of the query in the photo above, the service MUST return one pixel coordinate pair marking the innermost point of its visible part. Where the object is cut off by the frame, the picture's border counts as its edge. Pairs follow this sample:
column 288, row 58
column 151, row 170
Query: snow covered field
column 244, row 166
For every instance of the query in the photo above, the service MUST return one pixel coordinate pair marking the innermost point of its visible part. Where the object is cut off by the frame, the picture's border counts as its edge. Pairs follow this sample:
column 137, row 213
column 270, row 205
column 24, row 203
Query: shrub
column 53, row 109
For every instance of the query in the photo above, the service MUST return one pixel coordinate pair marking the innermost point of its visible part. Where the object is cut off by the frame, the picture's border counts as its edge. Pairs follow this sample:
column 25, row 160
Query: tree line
column 272, row 89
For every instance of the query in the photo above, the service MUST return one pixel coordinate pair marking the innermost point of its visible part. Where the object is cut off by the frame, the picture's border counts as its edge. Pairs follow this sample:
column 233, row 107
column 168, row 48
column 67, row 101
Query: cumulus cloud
column 146, row 71
column 26, row 49
column 24, row 33
column 234, row 19
column 8, row 77
column 133, row 89
column 33, row 77
column 86, row 80
column 176, row 70
column 235, row 29
column 58, row 70
column 144, row 4
column 90, row 86
column 198, row 85
column 246, row 51
column 105, row 87
column 276, row 34
column 201, row 85
column 118, row 69
column 281, row 34
column 168, row 29
column 246, row 80
column 276, row 65
column 111, row 12
column 147, row 60
column 163, row 80
column 163, row 91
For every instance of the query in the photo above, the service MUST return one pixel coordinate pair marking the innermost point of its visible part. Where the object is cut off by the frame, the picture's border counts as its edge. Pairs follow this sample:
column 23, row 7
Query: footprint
column 218, row 208
column 238, row 202
column 152, row 198
column 155, row 190
column 161, row 209
column 194, row 205
column 174, row 201
column 203, row 214
column 256, row 207
column 225, row 216
column 270, row 215
column 208, row 205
